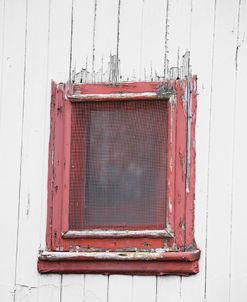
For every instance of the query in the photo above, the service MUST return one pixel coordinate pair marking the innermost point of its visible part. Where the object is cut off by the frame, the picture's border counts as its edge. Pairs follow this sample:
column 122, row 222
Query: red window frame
column 169, row 251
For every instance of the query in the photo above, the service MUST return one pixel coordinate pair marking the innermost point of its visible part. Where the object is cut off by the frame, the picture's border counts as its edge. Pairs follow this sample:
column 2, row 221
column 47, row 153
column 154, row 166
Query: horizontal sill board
column 119, row 268
column 117, row 234
column 170, row 263
column 120, row 96
column 121, row 256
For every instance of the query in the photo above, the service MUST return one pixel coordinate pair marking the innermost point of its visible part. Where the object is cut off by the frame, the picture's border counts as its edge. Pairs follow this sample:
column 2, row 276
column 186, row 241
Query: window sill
column 129, row 263
column 117, row 234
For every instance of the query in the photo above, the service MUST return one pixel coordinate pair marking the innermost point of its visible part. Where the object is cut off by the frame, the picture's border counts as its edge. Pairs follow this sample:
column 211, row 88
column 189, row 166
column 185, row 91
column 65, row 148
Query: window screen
column 118, row 165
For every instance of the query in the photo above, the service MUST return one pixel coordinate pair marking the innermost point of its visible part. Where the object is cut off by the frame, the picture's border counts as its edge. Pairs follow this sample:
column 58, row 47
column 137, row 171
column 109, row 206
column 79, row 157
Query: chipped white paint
column 170, row 205
column 158, row 254
column 35, row 47
column 151, row 95
column 117, row 233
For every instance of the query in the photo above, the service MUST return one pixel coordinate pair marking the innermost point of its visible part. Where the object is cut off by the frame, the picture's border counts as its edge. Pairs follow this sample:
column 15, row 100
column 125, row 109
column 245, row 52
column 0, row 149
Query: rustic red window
column 121, row 179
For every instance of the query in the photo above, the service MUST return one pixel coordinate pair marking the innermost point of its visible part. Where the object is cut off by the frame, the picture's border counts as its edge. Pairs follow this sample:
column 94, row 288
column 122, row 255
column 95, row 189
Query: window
column 121, row 179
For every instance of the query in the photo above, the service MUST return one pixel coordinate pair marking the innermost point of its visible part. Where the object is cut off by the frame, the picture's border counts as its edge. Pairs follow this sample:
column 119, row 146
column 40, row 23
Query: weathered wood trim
column 123, row 256
column 138, row 263
column 171, row 164
column 125, row 87
column 178, row 234
column 180, row 164
column 50, row 186
column 117, row 234
column 157, row 268
column 121, row 96
column 65, row 160
column 191, row 166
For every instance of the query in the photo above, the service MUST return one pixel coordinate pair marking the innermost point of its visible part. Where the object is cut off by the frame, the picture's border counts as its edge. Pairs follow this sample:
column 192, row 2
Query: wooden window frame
column 152, row 252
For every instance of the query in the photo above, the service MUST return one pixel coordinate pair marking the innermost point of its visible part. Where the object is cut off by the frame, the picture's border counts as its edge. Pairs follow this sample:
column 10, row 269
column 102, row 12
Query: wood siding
column 54, row 39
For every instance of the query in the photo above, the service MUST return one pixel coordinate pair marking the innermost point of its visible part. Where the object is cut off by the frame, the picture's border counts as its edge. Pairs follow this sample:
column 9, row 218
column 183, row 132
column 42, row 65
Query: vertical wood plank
column 179, row 31
column 238, row 277
column 96, row 288
column 49, row 288
column 60, row 39
column 33, row 140
column 120, row 288
column 144, row 288
column 169, row 289
column 105, row 32
column 72, row 288
column 202, row 29
column 58, row 60
column 12, row 87
column 2, row 32
column 130, row 39
column 221, row 152
column 82, row 40
column 153, row 40
column 26, row 293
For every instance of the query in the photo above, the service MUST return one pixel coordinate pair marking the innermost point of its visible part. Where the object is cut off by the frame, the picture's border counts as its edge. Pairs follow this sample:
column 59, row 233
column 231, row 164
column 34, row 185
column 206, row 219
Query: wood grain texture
column 60, row 40
column 130, row 39
column 238, row 265
column 221, row 152
column 106, row 32
column 32, row 141
column 82, row 40
column 179, row 31
column 13, row 64
column 202, row 26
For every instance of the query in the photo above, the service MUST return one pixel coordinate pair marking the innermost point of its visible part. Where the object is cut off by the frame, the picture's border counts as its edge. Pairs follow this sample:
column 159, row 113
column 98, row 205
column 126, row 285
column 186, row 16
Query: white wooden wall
column 36, row 46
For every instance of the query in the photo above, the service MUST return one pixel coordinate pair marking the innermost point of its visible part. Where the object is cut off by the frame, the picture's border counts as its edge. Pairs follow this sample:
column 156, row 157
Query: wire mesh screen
column 118, row 165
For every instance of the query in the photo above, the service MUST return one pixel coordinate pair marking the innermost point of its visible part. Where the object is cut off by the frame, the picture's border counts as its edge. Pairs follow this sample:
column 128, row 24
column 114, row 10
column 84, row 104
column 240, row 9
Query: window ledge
column 161, row 94
column 117, row 234
column 138, row 263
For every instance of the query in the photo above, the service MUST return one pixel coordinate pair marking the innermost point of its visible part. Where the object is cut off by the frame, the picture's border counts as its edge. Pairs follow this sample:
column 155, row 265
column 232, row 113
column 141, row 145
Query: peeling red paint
column 116, row 267
column 180, row 263
column 180, row 181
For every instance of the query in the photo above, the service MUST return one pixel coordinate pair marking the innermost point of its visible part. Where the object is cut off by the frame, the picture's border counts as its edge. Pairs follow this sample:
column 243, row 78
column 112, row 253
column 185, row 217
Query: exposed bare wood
column 166, row 68
column 94, row 32
column 126, row 256
column 146, row 95
column 118, row 234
